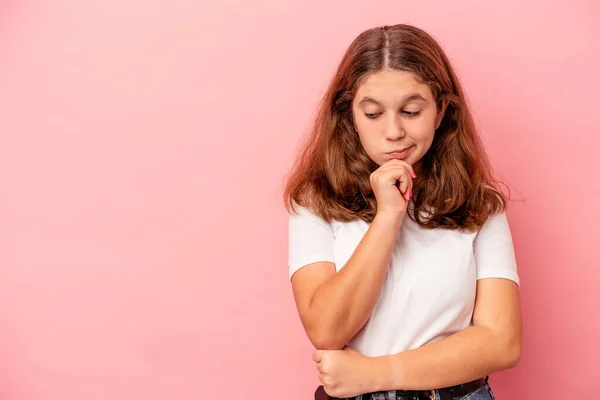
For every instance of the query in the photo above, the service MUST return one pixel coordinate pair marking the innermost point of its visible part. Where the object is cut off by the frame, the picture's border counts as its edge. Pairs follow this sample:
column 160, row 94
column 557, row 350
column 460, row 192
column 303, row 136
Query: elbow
column 513, row 358
column 326, row 340
column 511, row 354
column 506, row 346
column 328, row 345
column 327, row 332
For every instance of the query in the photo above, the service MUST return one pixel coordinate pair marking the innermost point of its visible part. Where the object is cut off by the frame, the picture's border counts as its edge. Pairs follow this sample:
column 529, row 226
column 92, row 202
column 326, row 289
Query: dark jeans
column 483, row 393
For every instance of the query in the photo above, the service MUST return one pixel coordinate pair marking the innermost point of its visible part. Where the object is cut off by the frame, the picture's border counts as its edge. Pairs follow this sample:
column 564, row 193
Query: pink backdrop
column 142, row 148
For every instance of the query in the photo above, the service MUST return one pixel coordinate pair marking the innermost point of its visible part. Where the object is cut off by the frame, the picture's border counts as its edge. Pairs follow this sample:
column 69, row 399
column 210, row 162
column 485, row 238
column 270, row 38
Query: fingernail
column 414, row 175
column 410, row 193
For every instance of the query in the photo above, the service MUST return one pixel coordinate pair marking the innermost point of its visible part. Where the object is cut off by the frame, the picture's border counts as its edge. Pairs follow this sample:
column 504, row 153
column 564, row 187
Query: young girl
column 400, row 254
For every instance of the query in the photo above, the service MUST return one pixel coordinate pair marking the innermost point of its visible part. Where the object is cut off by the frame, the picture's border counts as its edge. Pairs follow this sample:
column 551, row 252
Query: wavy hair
column 455, row 188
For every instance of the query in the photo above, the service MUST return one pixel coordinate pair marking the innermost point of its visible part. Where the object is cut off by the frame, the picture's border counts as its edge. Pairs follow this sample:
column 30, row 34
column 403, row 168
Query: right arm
column 333, row 307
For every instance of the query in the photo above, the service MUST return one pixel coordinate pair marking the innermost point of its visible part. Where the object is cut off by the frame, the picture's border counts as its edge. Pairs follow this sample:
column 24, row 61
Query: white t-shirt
column 429, row 289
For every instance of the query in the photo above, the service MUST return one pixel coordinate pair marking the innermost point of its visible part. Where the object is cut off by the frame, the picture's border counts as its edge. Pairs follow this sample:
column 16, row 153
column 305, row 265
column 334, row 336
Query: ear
column 442, row 105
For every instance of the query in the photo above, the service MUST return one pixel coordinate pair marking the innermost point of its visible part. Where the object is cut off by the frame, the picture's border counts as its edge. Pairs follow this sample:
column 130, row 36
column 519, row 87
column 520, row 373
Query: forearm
column 465, row 356
column 343, row 304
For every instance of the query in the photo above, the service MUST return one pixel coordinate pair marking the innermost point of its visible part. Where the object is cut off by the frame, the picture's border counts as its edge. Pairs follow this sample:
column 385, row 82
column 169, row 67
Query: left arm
column 492, row 344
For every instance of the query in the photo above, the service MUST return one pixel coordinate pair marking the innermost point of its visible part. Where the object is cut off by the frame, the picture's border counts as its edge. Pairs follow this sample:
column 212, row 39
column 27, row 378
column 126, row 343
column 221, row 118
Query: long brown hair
column 455, row 188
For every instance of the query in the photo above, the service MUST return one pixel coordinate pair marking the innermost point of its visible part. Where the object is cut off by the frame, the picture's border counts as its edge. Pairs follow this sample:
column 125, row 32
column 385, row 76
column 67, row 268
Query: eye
column 411, row 114
column 372, row 115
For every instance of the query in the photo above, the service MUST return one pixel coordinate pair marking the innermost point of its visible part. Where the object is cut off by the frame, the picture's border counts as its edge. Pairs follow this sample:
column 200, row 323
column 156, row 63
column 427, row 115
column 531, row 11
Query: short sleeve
column 494, row 250
column 310, row 239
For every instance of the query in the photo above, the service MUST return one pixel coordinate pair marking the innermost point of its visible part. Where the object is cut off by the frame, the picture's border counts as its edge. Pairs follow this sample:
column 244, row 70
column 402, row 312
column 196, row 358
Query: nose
column 393, row 127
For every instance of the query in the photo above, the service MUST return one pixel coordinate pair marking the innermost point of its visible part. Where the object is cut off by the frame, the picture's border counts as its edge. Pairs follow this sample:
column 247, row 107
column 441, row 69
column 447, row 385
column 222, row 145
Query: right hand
column 392, row 185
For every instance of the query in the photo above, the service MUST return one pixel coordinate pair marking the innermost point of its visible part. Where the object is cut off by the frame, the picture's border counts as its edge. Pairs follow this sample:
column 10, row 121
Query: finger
column 394, row 171
column 317, row 356
column 396, row 166
column 402, row 180
column 408, row 167
column 389, row 173
column 405, row 182
column 320, row 368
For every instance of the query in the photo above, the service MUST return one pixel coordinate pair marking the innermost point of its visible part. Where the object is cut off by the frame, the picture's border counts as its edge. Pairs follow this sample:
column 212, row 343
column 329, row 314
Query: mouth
column 400, row 154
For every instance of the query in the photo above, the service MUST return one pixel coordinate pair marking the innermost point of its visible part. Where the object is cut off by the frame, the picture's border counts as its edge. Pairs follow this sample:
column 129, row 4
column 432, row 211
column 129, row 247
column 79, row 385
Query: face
column 395, row 115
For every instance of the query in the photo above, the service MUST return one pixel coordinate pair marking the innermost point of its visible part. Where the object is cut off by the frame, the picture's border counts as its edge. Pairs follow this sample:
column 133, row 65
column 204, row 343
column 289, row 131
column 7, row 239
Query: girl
column 400, row 254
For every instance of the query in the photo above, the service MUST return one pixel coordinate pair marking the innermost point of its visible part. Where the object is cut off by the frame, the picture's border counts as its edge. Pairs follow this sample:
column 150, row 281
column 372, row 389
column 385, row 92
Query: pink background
column 142, row 148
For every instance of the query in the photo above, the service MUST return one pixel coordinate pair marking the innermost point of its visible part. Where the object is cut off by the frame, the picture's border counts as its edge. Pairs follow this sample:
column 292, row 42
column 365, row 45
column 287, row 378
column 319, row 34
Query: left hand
column 344, row 373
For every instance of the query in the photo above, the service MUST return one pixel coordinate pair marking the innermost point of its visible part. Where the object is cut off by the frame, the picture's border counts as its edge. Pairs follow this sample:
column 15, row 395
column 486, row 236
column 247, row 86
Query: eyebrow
column 405, row 99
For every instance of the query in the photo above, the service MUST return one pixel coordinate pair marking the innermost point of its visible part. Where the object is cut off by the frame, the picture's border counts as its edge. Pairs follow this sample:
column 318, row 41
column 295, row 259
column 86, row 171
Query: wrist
column 389, row 219
column 387, row 373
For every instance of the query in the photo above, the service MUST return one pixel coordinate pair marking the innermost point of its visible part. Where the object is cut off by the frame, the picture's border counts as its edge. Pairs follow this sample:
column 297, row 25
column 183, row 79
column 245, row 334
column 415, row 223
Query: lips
column 399, row 153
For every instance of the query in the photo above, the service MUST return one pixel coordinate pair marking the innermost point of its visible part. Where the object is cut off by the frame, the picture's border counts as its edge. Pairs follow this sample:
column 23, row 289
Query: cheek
column 422, row 132
column 367, row 133
column 423, row 129
column 369, row 144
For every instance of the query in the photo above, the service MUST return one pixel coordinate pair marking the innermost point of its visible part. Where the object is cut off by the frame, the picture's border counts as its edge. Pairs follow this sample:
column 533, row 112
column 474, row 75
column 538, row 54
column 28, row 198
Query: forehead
column 389, row 86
